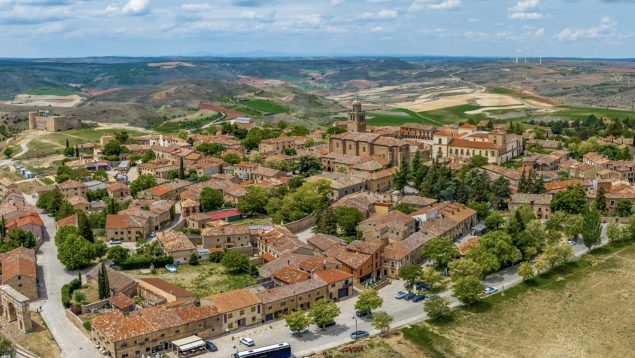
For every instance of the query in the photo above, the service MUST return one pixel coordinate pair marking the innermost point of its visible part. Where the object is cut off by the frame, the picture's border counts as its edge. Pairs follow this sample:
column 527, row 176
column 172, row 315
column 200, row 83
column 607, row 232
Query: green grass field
column 48, row 91
column 572, row 112
column 500, row 90
column 263, row 107
column 84, row 135
column 437, row 117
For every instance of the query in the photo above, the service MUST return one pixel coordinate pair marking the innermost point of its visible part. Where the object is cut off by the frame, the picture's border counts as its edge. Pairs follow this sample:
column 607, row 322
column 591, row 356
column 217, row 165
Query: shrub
column 144, row 261
column 216, row 256
column 67, row 291
column 87, row 326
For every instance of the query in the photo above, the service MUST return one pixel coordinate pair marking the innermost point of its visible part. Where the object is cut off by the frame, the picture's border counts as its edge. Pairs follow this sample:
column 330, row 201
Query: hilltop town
column 142, row 245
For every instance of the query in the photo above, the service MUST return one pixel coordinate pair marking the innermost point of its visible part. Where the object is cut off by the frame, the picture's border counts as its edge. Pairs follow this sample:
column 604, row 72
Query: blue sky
column 75, row 28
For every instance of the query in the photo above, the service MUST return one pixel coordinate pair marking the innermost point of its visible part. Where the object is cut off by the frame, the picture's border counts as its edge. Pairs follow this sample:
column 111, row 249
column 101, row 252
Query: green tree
column 6, row 347
column 65, row 210
column 601, row 200
column 113, row 148
column 554, row 255
column 431, row 277
column 616, row 232
column 526, row 271
column 103, row 285
column 463, row 268
column 297, row 321
column 232, row 158
column 400, row 179
column 440, row 250
column 347, row 219
column 410, row 273
column 437, row 308
column 624, row 208
column 142, row 182
column 326, row 222
column 118, row 255
column 3, row 227
column 181, row 168
column 501, row 192
column 307, row 166
column 468, row 289
column 211, row 199
column 210, row 149
column 84, row 226
column 235, row 261
column 194, row 259
column 22, row 237
column 368, row 300
column 148, row 156
column 500, row 245
column 79, row 297
column 65, row 231
column 8, row 152
column 75, row 252
column 494, row 221
column 591, row 226
column 382, row 321
column 323, row 312
column 254, row 201
column 572, row 200
column 478, row 160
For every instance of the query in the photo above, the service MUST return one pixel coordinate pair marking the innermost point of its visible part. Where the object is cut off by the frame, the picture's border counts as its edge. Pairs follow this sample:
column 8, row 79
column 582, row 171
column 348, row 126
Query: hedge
column 67, row 291
column 144, row 261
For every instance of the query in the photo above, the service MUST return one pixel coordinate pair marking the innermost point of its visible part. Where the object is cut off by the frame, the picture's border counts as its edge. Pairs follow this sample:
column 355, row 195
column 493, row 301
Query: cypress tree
column 84, row 226
column 181, row 169
column 327, row 223
column 67, row 144
column 3, row 227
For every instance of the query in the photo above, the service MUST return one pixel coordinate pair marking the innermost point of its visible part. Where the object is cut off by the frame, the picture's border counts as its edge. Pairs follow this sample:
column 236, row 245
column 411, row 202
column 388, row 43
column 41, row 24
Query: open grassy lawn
column 500, row 90
column 84, row 135
column 585, row 309
column 205, row 279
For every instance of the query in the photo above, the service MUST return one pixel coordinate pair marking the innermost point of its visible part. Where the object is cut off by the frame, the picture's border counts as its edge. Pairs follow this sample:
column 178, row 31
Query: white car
column 171, row 268
column 302, row 331
column 571, row 242
column 247, row 341
column 489, row 290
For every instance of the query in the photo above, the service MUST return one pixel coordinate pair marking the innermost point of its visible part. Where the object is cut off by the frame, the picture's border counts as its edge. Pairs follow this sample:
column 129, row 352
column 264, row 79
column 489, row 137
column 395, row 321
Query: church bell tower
column 357, row 118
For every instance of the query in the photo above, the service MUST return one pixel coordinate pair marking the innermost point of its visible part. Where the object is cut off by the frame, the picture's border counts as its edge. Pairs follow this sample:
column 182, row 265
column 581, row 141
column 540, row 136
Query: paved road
column 70, row 340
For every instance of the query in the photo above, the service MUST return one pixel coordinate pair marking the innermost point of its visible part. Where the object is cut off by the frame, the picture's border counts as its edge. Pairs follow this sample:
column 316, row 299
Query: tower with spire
column 357, row 117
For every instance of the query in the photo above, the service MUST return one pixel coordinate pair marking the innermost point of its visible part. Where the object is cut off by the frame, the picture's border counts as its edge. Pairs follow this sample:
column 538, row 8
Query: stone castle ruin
column 44, row 120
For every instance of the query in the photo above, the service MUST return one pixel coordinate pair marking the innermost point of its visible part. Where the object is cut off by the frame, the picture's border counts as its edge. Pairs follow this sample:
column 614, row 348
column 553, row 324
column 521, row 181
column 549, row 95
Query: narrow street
column 53, row 276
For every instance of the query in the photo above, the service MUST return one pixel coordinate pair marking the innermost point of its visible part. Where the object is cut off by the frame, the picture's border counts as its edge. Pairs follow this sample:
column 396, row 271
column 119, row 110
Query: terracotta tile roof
column 399, row 249
column 174, row 241
column 283, row 139
column 18, row 262
column 30, row 218
column 364, row 247
column 76, row 200
column 466, row 245
column 112, row 187
column 118, row 221
column 269, row 268
column 358, row 137
column 463, row 143
column 225, row 230
column 561, row 185
column 116, row 326
column 232, row 300
column 120, row 301
column 333, row 275
column 69, row 184
column 284, row 292
column 352, row 259
column 223, row 214
column 323, row 242
column 539, row 199
column 394, row 216
column 167, row 287
column 317, row 263
column 246, row 165
column 290, row 275
column 69, row 220
column 268, row 257
column 118, row 280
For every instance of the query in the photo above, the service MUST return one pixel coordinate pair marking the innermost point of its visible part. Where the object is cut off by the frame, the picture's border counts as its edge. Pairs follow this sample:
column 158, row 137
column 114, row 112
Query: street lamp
column 355, row 318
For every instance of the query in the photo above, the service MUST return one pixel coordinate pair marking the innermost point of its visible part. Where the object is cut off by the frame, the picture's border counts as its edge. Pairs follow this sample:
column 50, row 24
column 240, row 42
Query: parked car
column 114, row 242
column 170, row 268
column 247, row 341
column 401, row 294
column 330, row 324
column 211, row 346
column 361, row 314
column 152, row 234
column 302, row 331
column 489, row 290
column 359, row 334
column 419, row 298
column 423, row 287
column 409, row 296
column 571, row 242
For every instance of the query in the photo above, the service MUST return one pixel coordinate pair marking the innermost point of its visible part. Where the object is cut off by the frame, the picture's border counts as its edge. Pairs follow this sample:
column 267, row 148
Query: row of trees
column 76, row 247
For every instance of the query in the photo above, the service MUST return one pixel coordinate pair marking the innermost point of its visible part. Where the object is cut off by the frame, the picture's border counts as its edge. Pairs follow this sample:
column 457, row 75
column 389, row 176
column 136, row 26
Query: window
column 253, row 309
column 242, row 312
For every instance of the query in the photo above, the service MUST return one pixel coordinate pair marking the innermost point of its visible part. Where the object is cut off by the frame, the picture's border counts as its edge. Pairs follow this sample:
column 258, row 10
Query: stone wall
column 302, row 224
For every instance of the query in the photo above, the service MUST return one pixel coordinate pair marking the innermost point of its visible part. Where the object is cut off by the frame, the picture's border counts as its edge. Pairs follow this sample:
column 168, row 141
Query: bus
column 280, row 350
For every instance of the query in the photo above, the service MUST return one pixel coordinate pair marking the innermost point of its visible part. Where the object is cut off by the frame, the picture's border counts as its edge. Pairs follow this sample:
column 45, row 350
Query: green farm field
column 437, row 117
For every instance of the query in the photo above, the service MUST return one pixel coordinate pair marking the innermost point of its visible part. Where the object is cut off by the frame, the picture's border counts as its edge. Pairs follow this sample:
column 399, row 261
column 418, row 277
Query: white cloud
column 539, row 32
column 194, row 7
column 418, row 5
column 50, row 28
column 525, row 10
column 336, row 2
column 136, row 7
column 473, row 19
column 387, row 14
column 377, row 29
column 606, row 28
